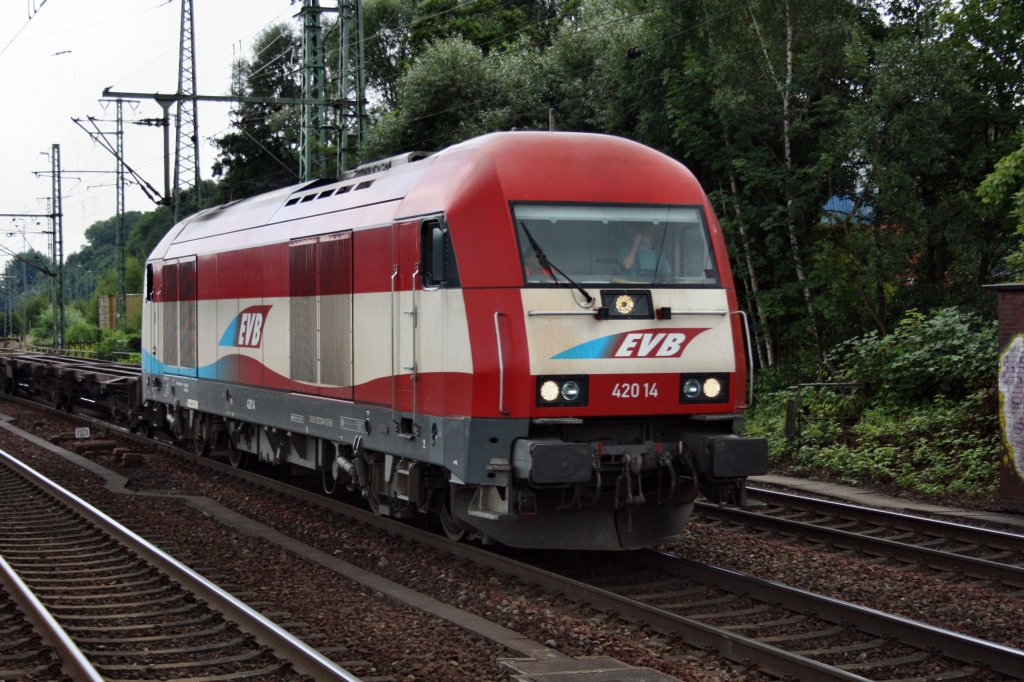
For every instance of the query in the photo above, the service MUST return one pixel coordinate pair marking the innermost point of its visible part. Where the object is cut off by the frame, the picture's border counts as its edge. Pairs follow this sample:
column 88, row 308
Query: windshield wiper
column 551, row 267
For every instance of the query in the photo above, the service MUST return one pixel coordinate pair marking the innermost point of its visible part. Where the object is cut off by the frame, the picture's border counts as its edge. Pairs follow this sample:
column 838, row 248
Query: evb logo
column 642, row 343
column 651, row 345
column 246, row 330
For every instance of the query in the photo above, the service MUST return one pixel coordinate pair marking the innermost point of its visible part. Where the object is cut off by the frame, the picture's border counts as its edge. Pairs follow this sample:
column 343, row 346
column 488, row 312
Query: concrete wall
column 1011, row 393
column 107, row 311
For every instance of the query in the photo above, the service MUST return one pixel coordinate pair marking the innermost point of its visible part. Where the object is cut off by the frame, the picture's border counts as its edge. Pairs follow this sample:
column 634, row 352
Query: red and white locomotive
column 533, row 335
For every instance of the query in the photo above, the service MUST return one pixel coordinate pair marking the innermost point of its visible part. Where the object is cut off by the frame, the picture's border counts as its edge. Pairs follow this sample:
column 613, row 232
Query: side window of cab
column 149, row 281
column 437, row 256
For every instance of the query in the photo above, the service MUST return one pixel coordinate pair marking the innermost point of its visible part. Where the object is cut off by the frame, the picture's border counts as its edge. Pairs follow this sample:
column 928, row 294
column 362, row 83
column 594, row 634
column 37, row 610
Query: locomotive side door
column 423, row 269
column 188, row 318
column 151, row 317
column 334, row 286
column 175, row 325
column 405, row 327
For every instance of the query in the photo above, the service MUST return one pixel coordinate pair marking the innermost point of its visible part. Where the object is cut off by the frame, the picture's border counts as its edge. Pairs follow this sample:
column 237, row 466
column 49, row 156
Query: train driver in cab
column 643, row 259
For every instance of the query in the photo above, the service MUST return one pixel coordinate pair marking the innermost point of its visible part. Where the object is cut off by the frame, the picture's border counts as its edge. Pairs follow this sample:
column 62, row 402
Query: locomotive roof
column 523, row 165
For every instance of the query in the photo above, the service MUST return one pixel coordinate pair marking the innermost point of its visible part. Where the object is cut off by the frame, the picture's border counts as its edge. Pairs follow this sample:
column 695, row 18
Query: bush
column 82, row 332
column 922, row 417
column 120, row 345
column 950, row 353
column 76, row 329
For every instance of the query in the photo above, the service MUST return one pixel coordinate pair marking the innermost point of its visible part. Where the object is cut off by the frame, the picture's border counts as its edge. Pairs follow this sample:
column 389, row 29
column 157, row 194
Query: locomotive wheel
column 200, row 445
column 328, row 481
column 449, row 524
column 119, row 410
column 176, row 428
column 201, row 436
column 238, row 459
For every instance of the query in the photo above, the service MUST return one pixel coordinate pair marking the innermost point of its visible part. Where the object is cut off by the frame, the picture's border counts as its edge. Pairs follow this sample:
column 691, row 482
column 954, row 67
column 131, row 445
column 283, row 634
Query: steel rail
column 770, row 659
column 903, row 520
column 73, row 662
column 971, row 650
column 984, row 569
column 300, row 655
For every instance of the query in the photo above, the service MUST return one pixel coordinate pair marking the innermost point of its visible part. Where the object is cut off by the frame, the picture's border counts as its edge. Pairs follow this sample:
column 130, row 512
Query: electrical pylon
column 351, row 81
column 58, row 249
column 313, row 134
column 122, row 279
column 186, row 119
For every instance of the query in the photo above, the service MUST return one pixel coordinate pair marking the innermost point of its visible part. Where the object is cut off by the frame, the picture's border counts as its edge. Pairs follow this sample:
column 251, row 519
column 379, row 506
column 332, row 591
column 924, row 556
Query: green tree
column 752, row 102
column 889, row 113
column 262, row 152
column 930, row 126
column 42, row 326
column 491, row 25
column 453, row 92
column 388, row 50
column 497, row 51
column 29, row 270
column 152, row 227
column 82, row 268
column 591, row 82
column 1002, row 193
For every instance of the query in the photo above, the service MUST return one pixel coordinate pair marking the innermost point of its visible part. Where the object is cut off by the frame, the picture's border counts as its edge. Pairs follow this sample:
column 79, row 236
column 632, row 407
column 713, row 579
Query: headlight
column 570, row 391
column 691, row 389
column 561, row 391
column 704, row 388
column 549, row 391
column 626, row 304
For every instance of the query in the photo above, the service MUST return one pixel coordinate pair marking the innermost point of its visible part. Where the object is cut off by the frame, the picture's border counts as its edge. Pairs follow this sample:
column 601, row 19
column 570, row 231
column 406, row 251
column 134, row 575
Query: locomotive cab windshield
column 621, row 245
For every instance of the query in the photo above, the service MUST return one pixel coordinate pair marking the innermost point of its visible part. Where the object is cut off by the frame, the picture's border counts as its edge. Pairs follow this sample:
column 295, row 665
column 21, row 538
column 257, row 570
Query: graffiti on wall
column 1011, row 403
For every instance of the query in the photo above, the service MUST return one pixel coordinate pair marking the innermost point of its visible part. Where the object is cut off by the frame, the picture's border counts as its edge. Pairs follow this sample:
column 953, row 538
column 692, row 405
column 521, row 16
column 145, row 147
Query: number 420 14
column 635, row 390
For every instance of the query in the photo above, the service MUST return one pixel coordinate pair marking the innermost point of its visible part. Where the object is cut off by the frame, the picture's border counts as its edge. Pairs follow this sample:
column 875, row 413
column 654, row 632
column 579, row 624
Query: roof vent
column 385, row 164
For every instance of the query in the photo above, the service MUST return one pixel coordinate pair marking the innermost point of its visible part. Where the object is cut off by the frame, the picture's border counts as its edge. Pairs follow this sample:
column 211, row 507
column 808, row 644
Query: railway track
column 29, row 638
column 985, row 555
column 123, row 609
column 783, row 631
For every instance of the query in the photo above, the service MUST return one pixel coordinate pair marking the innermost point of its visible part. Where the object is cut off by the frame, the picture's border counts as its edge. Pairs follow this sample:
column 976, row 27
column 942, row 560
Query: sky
column 57, row 56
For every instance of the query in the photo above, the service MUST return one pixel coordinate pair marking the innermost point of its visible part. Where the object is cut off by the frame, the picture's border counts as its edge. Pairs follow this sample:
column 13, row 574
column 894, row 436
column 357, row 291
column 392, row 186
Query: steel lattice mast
column 351, row 120
column 313, row 134
column 57, row 210
column 122, row 279
column 351, row 81
column 186, row 119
